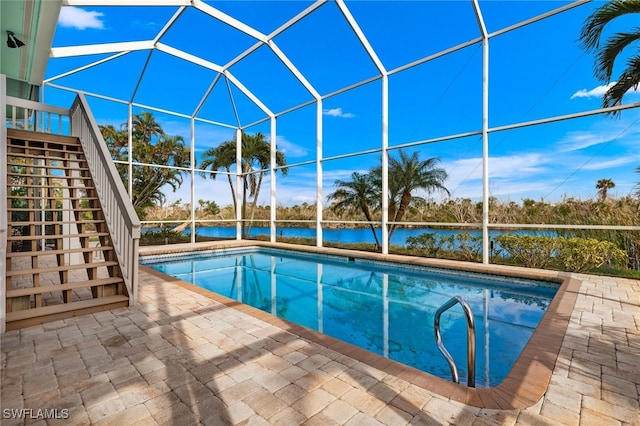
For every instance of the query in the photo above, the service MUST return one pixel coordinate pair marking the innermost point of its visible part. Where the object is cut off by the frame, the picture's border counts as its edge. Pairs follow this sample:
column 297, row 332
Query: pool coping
column 523, row 386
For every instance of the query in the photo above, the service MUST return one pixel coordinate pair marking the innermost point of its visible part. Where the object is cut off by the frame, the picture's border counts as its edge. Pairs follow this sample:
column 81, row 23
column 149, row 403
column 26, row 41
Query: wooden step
column 55, row 237
column 49, row 209
column 31, row 136
column 53, row 146
column 46, row 197
column 17, row 273
column 54, row 152
column 29, row 317
column 54, row 252
column 54, row 222
column 35, row 176
column 57, row 167
column 11, row 156
column 32, row 185
column 32, row 158
column 21, row 292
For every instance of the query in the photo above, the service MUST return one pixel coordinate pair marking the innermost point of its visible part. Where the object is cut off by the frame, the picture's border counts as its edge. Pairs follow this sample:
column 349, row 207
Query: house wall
column 3, row 202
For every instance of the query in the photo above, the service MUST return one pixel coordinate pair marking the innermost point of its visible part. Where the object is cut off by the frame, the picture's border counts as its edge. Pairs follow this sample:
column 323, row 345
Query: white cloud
column 596, row 92
column 465, row 175
column 80, row 19
column 622, row 132
column 580, row 139
column 609, row 164
column 206, row 189
column 291, row 195
column 521, row 189
column 499, row 167
column 290, row 149
column 337, row 112
column 331, row 176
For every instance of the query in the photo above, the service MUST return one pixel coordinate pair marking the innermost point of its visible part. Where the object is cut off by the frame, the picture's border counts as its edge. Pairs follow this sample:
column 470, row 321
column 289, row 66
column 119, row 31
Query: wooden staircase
column 60, row 260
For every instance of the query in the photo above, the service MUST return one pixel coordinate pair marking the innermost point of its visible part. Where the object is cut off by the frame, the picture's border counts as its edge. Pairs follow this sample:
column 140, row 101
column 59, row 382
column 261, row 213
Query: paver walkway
column 179, row 358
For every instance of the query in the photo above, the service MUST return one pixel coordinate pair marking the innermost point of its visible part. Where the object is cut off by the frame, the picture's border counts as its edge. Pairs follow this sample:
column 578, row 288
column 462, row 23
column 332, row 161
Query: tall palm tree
column 407, row 174
column 603, row 186
column 360, row 194
column 606, row 54
column 256, row 157
column 221, row 157
column 255, row 160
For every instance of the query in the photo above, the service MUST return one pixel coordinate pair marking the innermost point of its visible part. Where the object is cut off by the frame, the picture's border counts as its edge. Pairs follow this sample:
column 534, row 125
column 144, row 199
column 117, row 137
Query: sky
column 536, row 72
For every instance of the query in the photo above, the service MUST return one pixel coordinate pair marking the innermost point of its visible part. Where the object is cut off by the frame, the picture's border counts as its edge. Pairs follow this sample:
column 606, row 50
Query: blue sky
column 536, row 72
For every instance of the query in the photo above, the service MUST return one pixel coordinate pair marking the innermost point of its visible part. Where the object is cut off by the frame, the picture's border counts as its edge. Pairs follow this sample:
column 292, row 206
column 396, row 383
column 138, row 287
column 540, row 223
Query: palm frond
column 629, row 79
column 595, row 23
column 605, row 59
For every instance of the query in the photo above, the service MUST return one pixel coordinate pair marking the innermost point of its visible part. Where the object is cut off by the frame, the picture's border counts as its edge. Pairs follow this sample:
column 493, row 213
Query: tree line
column 356, row 199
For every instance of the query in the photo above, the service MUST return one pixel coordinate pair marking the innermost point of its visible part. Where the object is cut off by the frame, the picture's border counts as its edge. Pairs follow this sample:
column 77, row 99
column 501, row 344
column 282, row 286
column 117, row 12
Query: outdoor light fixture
column 13, row 41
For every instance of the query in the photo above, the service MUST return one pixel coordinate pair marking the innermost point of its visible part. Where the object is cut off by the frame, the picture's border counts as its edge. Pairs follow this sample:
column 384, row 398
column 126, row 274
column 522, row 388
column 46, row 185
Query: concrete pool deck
column 183, row 357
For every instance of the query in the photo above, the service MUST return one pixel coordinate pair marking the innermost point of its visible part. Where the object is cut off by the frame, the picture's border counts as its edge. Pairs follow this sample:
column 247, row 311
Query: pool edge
column 524, row 385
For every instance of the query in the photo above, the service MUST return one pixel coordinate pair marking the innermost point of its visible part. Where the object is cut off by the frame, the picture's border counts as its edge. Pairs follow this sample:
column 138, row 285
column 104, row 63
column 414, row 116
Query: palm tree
column 406, row 175
column 603, row 186
column 118, row 145
column 256, row 156
column 255, row 160
column 145, row 127
column 147, row 181
column 358, row 194
column 221, row 157
column 150, row 146
column 615, row 44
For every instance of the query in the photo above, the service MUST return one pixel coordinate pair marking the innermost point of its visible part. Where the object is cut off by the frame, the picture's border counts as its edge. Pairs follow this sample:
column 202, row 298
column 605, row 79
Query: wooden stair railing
column 60, row 260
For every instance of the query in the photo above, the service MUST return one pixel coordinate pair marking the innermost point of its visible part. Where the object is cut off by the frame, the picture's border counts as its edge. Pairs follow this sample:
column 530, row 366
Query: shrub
column 583, row 254
column 572, row 254
column 534, row 251
column 461, row 246
column 469, row 247
column 163, row 236
column 428, row 243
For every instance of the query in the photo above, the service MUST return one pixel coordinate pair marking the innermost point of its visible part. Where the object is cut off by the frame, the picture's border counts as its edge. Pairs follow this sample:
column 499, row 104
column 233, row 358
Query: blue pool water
column 386, row 308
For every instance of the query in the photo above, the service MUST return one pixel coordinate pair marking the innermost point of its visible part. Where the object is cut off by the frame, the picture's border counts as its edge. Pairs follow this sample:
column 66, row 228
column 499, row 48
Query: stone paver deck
column 181, row 358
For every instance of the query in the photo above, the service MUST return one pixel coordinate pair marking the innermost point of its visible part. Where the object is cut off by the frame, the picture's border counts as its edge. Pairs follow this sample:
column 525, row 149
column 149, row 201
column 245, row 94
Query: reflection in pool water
column 383, row 307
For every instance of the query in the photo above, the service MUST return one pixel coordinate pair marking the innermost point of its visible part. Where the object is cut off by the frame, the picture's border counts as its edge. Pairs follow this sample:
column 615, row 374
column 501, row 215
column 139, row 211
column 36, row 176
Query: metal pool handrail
column 471, row 340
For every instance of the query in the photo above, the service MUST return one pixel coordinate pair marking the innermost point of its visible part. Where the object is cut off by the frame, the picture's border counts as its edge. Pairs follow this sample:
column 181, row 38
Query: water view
column 360, row 235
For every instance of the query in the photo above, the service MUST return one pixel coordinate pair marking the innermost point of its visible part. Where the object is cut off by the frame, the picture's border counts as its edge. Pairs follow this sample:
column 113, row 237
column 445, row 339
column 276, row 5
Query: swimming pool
column 383, row 307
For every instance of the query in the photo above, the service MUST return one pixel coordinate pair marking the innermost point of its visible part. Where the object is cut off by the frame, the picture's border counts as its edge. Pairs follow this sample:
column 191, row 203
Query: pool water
column 383, row 307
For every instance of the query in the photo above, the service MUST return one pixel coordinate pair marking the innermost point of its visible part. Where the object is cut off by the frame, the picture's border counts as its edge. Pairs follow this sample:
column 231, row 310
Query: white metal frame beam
column 223, row 17
column 123, row 48
column 485, row 132
column 97, row 49
column 385, row 118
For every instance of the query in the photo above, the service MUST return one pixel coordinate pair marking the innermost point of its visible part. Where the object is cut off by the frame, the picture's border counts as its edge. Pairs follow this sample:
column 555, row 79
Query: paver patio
column 181, row 358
